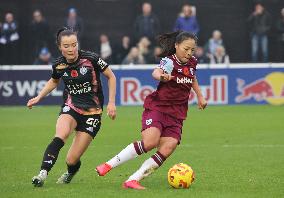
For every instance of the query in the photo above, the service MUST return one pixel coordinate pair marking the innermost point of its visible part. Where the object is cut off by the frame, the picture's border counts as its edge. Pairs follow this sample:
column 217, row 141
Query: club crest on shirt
column 83, row 70
column 66, row 109
column 149, row 121
column 61, row 66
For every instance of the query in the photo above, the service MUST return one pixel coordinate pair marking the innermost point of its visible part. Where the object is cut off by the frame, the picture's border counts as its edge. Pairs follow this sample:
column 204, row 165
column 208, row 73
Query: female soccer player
column 83, row 96
column 165, row 109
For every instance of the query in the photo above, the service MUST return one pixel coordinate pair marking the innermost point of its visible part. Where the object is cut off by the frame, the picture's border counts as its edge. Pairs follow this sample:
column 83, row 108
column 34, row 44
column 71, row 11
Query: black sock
column 51, row 153
column 74, row 168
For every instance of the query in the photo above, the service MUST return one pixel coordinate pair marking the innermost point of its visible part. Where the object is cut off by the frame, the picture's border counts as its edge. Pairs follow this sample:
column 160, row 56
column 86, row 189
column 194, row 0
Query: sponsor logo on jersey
column 66, row 109
column 102, row 63
column 184, row 80
column 79, row 88
column 74, row 73
column 61, row 66
column 83, row 70
column 65, row 74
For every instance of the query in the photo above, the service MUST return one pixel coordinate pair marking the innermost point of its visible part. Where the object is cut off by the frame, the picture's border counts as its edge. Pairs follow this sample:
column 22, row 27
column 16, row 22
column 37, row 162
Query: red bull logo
column 133, row 93
column 269, row 89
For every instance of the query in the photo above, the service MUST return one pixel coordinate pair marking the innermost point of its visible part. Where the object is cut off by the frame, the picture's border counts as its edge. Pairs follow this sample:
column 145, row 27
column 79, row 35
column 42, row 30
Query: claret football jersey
column 172, row 97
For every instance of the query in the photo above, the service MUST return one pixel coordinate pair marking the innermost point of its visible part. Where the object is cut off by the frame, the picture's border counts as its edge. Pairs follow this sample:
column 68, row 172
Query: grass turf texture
column 235, row 151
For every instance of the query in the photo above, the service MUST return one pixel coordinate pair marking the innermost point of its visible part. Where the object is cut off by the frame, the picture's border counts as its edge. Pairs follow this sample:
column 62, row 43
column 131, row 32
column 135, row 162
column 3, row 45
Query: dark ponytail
column 167, row 41
column 64, row 32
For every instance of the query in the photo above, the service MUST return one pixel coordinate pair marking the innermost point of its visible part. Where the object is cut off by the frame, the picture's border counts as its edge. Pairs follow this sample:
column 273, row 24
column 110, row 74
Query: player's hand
column 202, row 103
column 111, row 110
column 32, row 102
column 166, row 77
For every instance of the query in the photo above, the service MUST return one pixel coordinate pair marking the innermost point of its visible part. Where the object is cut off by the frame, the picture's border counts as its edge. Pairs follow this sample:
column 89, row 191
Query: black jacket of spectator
column 41, row 37
column 260, row 24
column 148, row 26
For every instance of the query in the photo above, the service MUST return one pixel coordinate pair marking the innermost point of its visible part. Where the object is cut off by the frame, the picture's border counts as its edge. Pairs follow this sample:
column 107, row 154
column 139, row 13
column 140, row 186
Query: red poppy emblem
column 186, row 71
column 74, row 73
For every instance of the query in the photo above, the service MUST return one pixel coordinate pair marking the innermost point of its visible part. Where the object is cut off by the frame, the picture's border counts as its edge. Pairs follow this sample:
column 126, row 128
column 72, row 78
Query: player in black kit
column 83, row 102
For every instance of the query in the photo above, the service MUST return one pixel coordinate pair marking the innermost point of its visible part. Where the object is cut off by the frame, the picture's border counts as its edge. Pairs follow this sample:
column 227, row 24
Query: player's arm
column 160, row 75
column 49, row 86
column 202, row 103
column 111, row 109
column 164, row 70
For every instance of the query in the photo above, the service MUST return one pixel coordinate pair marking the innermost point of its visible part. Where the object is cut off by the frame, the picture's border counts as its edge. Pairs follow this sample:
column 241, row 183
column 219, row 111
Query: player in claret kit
column 165, row 109
column 83, row 103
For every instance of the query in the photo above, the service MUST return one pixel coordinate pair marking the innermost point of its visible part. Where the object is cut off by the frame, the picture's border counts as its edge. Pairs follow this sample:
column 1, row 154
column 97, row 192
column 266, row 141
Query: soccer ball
column 180, row 176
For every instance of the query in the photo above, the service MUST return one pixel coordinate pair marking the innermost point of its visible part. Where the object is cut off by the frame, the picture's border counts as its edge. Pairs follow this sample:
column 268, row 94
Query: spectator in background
column 146, row 24
column 133, row 57
column 201, row 56
column 9, row 40
column 144, row 48
column 1, row 46
column 215, row 41
column 260, row 24
column 44, row 57
column 220, row 56
column 280, row 39
column 187, row 21
column 155, row 56
column 41, row 36
column 123, row 49
column 75, row 22
column 105, row 49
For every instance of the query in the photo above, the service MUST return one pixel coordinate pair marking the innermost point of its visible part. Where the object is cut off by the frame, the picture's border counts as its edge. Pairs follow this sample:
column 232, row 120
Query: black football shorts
column 85, row 123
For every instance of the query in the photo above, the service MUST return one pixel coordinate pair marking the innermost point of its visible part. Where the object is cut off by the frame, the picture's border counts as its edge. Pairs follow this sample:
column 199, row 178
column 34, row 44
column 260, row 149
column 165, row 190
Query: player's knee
column 62, row 134
column 149, row 145
column 167, row 149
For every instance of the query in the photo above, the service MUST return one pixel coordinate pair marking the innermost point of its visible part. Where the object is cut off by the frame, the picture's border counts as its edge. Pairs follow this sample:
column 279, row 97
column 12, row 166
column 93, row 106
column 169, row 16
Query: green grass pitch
column 235, row 151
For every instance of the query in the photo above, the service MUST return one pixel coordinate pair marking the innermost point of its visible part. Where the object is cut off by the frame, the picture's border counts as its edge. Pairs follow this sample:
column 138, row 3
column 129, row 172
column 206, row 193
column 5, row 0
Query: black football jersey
column 83, row 88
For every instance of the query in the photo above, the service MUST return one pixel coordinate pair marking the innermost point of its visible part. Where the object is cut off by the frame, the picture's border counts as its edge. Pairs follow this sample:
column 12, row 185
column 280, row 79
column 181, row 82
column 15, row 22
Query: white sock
column 126, row 154
column 145, row 170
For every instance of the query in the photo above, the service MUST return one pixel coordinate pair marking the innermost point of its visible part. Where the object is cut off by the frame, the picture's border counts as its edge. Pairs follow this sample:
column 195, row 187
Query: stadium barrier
column 221, row 85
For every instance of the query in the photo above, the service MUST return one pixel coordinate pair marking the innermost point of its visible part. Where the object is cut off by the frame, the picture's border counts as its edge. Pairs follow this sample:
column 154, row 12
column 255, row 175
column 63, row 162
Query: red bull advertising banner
column 219, row 86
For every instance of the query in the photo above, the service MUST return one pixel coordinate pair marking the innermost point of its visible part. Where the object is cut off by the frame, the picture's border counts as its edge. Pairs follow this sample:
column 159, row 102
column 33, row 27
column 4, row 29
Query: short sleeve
column 166, row 65
column 100, row 64
column 55, row 74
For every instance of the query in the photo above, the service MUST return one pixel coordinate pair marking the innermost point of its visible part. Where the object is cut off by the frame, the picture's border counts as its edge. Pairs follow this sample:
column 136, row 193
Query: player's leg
column 166, row 147
column 87, row 128
column 64, row 126
column 151, row 132
column 150, row 140
column 80, row 143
